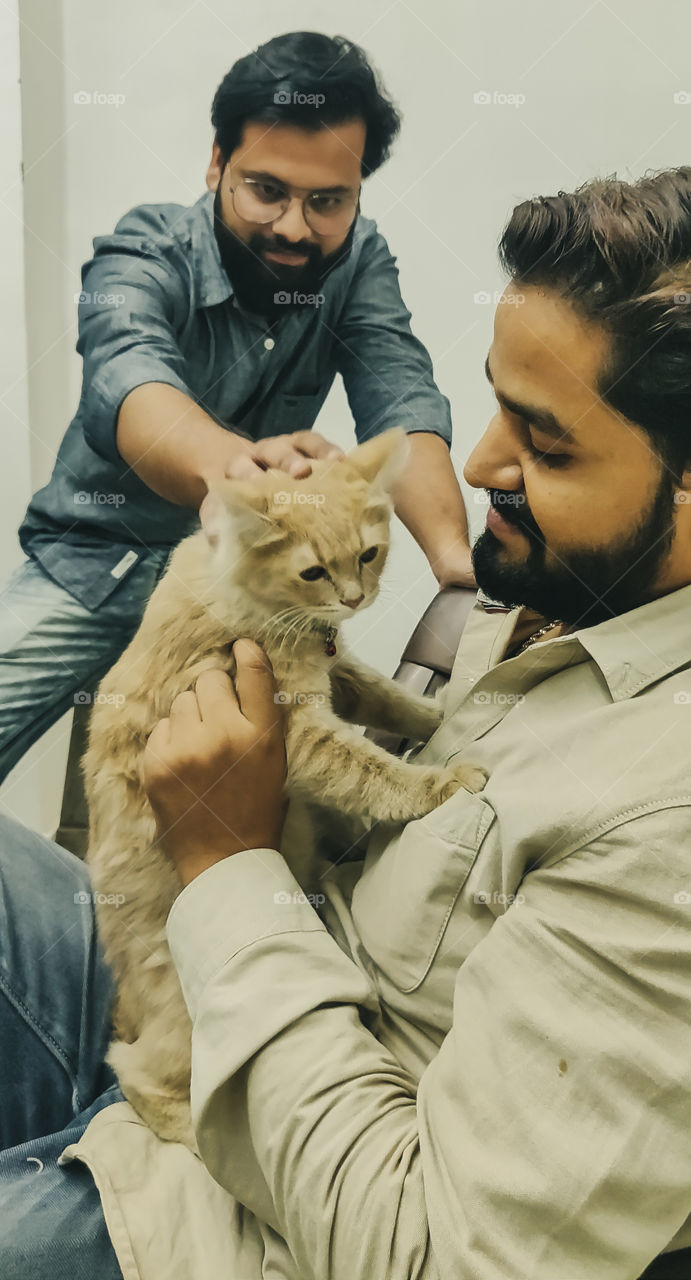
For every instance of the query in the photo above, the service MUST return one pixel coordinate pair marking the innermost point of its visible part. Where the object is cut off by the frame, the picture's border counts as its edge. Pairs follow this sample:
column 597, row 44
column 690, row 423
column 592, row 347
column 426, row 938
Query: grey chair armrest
column 429, row 655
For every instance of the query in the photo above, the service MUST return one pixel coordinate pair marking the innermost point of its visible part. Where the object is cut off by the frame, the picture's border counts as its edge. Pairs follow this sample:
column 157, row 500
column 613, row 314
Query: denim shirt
column 157, row 306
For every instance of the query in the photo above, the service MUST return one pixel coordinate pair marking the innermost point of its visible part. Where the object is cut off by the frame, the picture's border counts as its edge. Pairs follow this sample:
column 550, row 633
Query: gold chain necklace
column 536, row 635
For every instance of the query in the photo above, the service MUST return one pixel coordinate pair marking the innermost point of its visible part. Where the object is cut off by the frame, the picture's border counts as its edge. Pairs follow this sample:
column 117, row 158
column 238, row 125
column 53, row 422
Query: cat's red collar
column 329, row 641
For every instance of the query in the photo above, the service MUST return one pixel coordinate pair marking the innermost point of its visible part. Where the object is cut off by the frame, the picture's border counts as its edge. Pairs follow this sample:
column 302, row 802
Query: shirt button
column 269, row 344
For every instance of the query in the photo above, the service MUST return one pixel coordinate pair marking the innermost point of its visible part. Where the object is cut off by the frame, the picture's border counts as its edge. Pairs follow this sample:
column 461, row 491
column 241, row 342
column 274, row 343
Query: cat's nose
column 353, row 604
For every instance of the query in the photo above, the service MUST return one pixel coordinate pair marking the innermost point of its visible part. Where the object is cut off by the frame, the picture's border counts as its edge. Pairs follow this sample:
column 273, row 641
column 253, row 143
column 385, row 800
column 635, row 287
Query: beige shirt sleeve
column 550, row 1135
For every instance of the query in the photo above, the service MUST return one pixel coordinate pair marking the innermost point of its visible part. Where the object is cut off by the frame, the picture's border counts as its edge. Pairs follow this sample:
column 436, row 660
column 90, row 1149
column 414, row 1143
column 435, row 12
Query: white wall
column 32, row 368
column 598, row 82
column 15, row 480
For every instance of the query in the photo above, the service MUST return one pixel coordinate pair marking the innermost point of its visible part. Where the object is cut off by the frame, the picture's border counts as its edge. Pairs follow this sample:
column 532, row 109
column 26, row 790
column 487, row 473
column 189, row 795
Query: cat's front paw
column 453, row 777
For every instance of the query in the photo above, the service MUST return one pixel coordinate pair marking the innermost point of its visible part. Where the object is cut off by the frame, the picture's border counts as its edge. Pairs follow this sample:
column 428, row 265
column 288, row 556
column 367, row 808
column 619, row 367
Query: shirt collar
column 644, row 645
column 212, row 279
column 633, row 650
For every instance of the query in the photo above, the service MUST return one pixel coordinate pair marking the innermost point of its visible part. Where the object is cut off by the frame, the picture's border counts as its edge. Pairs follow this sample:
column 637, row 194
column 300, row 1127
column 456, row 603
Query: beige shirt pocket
column 411, row 884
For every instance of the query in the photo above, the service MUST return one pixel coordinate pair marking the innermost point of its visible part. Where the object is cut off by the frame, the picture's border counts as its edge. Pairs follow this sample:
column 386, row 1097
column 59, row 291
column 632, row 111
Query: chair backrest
column 429, row 655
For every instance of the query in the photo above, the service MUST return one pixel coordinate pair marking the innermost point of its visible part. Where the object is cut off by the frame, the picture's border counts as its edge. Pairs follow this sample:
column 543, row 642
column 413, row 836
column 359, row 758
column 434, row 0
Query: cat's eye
column 369, row 554
column 315, row 571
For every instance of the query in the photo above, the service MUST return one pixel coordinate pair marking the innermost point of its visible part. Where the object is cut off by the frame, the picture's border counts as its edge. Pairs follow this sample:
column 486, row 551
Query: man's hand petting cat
column 214, row 769
column 289, row 453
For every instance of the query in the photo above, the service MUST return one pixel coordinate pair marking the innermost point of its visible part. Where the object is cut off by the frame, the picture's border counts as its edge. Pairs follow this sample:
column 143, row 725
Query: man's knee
column 32, row 864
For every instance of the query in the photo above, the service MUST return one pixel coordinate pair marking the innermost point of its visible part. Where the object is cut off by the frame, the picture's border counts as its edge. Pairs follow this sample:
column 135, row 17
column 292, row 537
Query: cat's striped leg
column 333, row 764
column 364, row 696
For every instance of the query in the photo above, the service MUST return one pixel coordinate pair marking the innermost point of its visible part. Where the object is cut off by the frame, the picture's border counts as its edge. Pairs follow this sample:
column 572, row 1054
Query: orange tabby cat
column 282, row 561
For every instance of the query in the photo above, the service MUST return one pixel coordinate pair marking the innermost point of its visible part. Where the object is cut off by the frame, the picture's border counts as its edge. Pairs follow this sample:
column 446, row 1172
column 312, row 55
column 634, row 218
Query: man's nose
column 493, row 463
column 291, row 224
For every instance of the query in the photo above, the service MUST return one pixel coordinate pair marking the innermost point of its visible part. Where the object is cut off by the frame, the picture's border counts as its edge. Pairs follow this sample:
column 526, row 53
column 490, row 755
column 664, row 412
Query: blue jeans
column 54, row 651
column 55, row 1002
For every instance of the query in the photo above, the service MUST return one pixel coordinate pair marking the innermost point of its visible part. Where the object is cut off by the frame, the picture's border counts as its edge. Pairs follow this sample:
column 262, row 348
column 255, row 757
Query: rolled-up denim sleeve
column 132, row 304
column 387, row 372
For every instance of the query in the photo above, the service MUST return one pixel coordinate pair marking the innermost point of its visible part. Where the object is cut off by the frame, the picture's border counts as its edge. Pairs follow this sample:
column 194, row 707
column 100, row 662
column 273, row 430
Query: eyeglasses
column 327, row 213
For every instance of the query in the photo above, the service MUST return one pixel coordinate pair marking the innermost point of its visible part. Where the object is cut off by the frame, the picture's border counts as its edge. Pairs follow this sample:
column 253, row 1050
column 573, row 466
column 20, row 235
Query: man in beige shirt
column 474, row 1060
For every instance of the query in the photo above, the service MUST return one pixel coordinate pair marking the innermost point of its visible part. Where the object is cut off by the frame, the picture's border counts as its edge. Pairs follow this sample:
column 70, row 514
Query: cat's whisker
column 267, row 632
column 304, row 624
column 276, row 617
column 307, row 622
column 295, row 626
column 285, row 624
column 274, row 623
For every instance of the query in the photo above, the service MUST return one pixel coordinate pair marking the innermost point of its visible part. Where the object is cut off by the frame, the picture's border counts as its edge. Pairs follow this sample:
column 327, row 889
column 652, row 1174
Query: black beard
column 584, row 587
column 256, row 282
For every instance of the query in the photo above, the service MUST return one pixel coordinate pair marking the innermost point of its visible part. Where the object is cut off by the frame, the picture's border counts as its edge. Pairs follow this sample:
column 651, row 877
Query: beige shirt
column 476, row 1062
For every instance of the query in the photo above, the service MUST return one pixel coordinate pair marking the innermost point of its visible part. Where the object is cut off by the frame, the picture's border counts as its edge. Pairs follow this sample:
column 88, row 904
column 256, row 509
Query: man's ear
column 382, row 459
column 215, row 169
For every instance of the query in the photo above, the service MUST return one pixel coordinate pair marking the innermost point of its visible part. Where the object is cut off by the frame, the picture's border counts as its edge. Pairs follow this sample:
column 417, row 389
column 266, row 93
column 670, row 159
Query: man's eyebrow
column 540, row 418
column 262, row 176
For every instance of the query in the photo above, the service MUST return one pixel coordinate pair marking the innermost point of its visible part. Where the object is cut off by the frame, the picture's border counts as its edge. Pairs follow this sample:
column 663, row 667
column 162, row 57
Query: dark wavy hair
column 267, row 86
column 620, row 254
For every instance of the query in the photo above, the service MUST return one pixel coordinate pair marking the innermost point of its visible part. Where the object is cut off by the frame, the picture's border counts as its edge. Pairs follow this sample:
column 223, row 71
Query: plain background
column 605, row 87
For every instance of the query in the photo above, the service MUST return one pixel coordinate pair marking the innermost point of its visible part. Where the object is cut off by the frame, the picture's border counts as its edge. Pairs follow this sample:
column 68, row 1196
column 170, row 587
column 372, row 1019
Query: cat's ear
column 382, row 459
column 222, row 514
column 212, row 514
column 245, row 509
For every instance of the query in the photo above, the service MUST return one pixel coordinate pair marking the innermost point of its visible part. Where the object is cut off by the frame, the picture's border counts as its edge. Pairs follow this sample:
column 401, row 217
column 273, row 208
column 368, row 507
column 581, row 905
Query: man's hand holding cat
column 290, row 453
column 214, row 769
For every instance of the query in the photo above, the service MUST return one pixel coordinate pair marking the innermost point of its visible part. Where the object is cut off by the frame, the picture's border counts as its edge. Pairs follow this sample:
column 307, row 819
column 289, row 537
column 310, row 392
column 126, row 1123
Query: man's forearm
column 172, row 444
column 428, row 498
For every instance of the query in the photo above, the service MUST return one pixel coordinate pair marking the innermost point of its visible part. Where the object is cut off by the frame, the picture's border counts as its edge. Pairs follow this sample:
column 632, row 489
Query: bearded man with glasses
column 211, row 336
